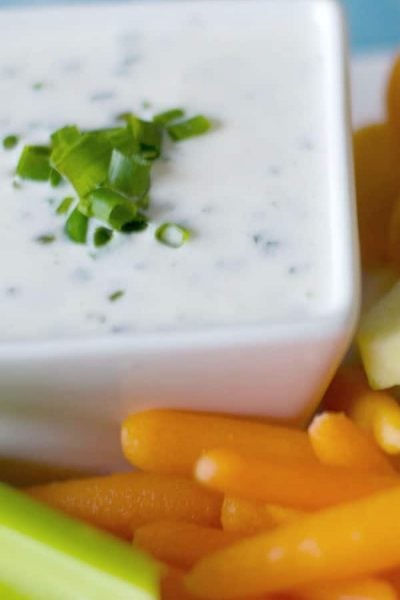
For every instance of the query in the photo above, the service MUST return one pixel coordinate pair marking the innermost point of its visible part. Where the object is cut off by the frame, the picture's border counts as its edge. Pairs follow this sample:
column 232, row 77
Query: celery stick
column 46, row 555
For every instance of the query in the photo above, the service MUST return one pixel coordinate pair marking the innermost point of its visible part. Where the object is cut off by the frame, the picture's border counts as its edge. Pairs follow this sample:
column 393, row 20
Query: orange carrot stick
column 293, row 485
column 368, row 588
column 181, row 544
column 378, row 413
column 166, row 441
column 376, row 156
column 119, row 502
column 337, row 441
column 347, row 541
column 173, row 587
column 246, row 517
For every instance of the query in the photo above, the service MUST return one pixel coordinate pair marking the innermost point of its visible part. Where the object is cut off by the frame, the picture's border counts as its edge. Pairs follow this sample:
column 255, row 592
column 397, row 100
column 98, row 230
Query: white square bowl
column 62, row 402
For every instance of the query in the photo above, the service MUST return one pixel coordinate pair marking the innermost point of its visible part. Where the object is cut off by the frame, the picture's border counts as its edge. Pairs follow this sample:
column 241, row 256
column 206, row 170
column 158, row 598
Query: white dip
column 256, row 191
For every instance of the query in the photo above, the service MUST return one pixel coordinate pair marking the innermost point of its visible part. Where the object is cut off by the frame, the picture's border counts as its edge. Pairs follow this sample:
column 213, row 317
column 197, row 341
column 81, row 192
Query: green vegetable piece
column 65, row 137
column 10, row 141
column 116, row 295
column 169, row 116
column 85, row 163
column 45, row 554
column 129, row 175
column 34, row 163
column 37, row 86
column 148, row 134
column 47, row 238
column 65, row 205
column 190, row 128
column 102, row 236
column 55, row 178
column 113, row 208
column 76, row 227
column 122, row 139
column 172, row 235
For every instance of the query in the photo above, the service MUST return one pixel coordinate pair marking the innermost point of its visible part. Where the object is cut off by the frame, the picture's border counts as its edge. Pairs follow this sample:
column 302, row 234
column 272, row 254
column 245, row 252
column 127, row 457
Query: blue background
column 374, row 24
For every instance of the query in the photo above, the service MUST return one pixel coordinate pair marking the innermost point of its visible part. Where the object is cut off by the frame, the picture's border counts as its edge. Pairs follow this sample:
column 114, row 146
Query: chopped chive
column 37, row 86
column 47, row 238
column 116, row 295
column 139, row 224
column 147, row 133
column 172, row 235
column 10, row 141
column 34, row 163
column 85, row 163
column 62, row 140
column 102, row 236
column 169, row 115
column 129, row 175
column 190, row 128
column 76, row 227
column 112, row 208
column 55, row 178
column 65, row 205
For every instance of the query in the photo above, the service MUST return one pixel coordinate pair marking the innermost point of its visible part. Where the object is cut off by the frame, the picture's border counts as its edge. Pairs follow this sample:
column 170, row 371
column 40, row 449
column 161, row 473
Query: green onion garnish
column 116, row 295
column 37, row 86
column 47, row 238
column 65, row 205
column 55, row 178
column 112, row 208
column 172, row 235
column 190, row 128
column 129, row 175
column 147, row 133
column 102, row 236
column 10, row 141
column 110, row 170
column 169, row 116
column 85, row 163
column 76, row 227
column 34, row 163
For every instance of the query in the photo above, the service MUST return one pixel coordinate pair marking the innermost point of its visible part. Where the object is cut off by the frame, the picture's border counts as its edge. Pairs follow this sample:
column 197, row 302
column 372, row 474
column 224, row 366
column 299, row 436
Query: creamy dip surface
column 256, row 191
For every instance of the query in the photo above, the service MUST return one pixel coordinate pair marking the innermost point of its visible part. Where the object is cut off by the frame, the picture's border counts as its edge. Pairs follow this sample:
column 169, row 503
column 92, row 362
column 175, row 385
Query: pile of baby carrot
column 244, row 509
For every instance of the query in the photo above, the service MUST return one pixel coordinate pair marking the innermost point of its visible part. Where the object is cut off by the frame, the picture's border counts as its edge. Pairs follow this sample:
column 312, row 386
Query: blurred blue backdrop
column 373, row 23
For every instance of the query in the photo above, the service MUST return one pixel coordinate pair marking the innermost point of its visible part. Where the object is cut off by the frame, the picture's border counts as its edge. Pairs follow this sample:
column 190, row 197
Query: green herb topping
column 65, row 205
column 47, row 238
column 102, row 236
column 172, row 235
column 76, row 227
column 116, row 295
column 190, row 128
column 169, row 116
column 110, row 170
column 10, row 141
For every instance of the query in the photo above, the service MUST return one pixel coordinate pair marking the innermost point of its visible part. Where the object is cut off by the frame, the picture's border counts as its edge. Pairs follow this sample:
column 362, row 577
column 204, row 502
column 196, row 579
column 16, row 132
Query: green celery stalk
column 45, row 555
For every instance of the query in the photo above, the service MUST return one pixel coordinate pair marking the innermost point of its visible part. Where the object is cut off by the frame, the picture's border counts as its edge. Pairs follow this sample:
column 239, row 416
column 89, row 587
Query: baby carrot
column 246, row 517
column 289, row 484
column 119, row 502
column 181, row 544
column 368, row 588
column 165, row 441
column 337, row 441
column 378, row 413
column 173, row 587
column 346, row 541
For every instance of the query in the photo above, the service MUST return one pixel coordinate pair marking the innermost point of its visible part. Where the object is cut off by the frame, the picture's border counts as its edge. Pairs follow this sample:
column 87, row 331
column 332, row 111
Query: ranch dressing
column 255, row 191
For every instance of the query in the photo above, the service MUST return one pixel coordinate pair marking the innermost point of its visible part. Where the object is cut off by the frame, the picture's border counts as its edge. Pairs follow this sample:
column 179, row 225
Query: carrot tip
column 205, row 469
